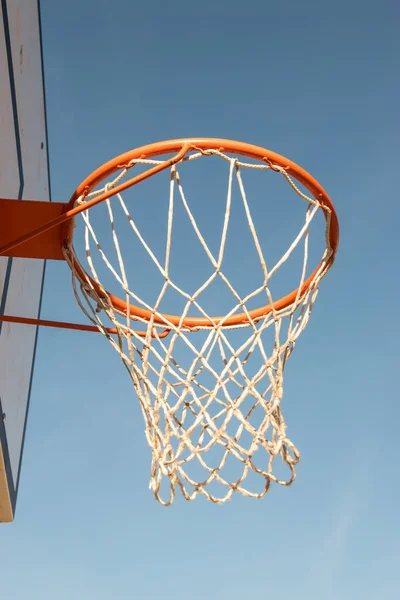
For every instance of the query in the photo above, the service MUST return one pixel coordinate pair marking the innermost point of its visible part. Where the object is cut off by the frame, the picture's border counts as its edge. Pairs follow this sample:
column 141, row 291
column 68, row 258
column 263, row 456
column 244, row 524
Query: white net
column 211, row 398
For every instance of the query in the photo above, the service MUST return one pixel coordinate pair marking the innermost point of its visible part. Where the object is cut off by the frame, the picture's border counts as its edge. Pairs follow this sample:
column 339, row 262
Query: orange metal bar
column 64, row 325
column 55, row 222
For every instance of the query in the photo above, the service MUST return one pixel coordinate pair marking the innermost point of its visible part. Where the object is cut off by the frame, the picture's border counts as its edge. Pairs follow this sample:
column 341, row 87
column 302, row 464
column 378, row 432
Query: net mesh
column 211, row 399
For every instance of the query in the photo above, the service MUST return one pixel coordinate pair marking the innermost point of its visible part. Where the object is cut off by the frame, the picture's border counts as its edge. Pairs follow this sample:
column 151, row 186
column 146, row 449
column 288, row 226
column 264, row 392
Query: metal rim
column 180, row 147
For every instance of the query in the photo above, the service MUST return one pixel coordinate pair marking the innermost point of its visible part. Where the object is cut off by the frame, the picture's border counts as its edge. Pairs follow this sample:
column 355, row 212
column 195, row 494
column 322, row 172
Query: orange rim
column 181, row 147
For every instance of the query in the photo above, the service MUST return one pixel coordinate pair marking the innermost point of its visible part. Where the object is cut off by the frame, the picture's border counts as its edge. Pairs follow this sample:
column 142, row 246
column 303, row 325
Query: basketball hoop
column 209, row 407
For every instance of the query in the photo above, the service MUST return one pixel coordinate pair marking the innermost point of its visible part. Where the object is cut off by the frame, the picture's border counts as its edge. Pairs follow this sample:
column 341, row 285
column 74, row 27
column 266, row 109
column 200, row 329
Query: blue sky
column 315, row 81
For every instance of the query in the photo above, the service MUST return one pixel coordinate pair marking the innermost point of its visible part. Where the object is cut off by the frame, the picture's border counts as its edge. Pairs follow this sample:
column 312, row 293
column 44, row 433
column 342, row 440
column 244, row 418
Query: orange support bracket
column 20, row 220
column 20, row 217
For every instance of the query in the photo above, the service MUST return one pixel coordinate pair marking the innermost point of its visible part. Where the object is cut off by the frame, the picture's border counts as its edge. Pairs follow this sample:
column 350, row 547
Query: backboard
column 23, row 175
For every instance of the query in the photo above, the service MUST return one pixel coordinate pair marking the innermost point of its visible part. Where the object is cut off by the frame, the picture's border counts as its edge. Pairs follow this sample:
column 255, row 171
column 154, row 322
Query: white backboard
column 23, row 175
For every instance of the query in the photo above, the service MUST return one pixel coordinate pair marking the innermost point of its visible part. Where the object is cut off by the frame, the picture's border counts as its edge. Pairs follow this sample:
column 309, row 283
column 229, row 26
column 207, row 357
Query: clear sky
column 318, row 82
